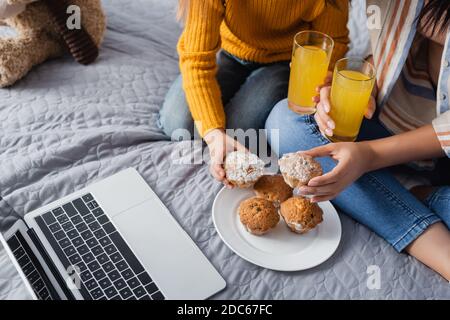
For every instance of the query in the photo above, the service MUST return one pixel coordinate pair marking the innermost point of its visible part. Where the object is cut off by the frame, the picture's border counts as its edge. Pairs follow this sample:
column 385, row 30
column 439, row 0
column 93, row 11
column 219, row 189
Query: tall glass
column 310, row 60
column 353, row 82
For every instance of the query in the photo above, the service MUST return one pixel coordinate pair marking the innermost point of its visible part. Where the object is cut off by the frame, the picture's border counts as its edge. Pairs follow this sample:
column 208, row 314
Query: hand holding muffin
column 299, row 168
column 274, row 193
column 243, row 169
column 219, row 145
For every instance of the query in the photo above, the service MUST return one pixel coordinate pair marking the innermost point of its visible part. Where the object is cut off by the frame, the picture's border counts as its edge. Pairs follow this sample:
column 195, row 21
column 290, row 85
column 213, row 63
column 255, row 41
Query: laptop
column 113, row 240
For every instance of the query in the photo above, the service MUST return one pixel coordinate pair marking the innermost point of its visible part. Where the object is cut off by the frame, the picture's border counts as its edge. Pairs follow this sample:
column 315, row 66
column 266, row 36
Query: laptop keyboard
column 30, row 266
column 84, row 238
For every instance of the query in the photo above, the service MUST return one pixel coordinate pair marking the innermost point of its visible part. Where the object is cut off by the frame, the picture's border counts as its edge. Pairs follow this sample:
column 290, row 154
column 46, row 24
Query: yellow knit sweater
column 260, row 31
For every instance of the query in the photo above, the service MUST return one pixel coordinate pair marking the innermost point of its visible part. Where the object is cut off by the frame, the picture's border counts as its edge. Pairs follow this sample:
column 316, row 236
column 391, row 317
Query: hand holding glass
column 353, row 83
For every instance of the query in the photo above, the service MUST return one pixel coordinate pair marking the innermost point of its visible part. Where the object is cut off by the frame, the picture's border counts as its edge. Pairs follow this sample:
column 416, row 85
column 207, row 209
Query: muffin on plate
column 273, row 188
column 243, row 169
column 300, row 214
column 298, row 169
column 258, row 215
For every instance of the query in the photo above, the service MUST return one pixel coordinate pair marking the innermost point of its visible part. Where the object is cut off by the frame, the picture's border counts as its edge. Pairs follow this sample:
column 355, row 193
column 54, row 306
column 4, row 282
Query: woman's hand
column 324, row 121
column 326, row 83
column 353, row 161
column 220, row 145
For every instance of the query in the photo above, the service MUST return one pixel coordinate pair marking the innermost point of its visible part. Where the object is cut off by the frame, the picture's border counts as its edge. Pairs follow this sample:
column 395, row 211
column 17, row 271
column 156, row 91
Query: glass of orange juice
column 353, row 82
column 309, row 66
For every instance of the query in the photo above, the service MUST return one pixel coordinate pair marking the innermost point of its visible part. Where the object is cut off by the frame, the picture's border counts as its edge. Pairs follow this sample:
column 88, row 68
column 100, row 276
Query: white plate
column 279, row 249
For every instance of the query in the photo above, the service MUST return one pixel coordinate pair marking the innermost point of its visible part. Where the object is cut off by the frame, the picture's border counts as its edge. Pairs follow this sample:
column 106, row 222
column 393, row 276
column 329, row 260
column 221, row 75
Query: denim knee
column 174, row 116
column 289, row 132
column 252, row 103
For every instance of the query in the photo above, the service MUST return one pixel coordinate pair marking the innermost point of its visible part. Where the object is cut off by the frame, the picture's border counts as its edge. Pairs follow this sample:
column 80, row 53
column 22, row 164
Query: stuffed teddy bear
column 42, row 34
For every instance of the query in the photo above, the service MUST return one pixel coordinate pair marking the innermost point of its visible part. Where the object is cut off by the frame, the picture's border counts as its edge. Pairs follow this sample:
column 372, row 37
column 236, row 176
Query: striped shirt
column 407, row 96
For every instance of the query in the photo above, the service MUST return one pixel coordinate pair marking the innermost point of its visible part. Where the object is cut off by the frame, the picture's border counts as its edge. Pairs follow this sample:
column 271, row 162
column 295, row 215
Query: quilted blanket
column 65, row 126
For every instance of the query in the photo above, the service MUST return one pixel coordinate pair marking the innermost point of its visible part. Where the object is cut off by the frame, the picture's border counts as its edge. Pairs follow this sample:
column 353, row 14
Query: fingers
column 329, row 178
column 328, row 78
column 216, row 166
column 219, row 145
column 218, row 156
column 227, row 184
column 320, row 194
column 318, row 199
column 325, row 190
column 218, row 173
column 324, row 121
column 325, row 117
column 216, row 169
column 324, row 98
column 327, row 84
column 316, row 99
column 322, row 126
column 322, row 151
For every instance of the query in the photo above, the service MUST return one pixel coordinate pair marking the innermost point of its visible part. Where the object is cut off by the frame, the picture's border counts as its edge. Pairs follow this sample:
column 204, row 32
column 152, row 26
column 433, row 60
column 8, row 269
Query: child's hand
column 220, row 144
column 324, row 121
column 353, row 161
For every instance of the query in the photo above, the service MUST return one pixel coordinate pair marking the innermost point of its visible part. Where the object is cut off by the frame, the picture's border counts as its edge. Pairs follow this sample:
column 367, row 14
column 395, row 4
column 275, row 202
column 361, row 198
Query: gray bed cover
column 65, row 126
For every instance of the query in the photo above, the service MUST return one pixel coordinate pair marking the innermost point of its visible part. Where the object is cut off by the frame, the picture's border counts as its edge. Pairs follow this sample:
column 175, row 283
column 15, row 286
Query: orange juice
column 350, row 96
column 308, row 70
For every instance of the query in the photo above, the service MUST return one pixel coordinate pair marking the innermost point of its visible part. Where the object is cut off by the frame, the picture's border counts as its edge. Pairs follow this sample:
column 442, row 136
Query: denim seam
column 314, row 129
column 391, row 196
column 423, row 224
column 431, row 198
column 440, row 197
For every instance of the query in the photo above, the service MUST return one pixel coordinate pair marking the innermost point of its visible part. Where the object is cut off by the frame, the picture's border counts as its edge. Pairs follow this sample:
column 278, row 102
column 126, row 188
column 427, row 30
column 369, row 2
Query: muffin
column 258, row 215
column 300, row 214
column 273, row 188
column 298, row 169
column 243, row 169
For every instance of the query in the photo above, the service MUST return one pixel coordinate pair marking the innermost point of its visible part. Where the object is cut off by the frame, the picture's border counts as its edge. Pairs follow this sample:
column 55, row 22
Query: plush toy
column 43, row 32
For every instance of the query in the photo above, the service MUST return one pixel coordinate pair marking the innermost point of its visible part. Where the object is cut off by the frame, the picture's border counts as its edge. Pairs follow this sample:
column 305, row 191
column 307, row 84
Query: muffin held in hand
column 258, row 215
column 243, row 169
column 298, row 169
column 273, row 188
column 300, row 214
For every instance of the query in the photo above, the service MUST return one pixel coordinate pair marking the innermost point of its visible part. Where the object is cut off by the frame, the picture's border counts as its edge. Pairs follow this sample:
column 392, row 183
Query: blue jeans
column 377, row 199
column 249, row 92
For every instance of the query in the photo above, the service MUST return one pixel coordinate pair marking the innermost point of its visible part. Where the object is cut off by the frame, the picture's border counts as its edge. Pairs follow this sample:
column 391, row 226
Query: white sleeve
column 442, row 127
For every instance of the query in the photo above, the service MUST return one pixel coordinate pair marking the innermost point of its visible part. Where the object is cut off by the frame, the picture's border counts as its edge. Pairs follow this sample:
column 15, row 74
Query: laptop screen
column 13, row 283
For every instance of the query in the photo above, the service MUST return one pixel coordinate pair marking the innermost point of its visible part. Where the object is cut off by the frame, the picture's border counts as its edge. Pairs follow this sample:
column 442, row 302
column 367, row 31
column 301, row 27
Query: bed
column 65, row 126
